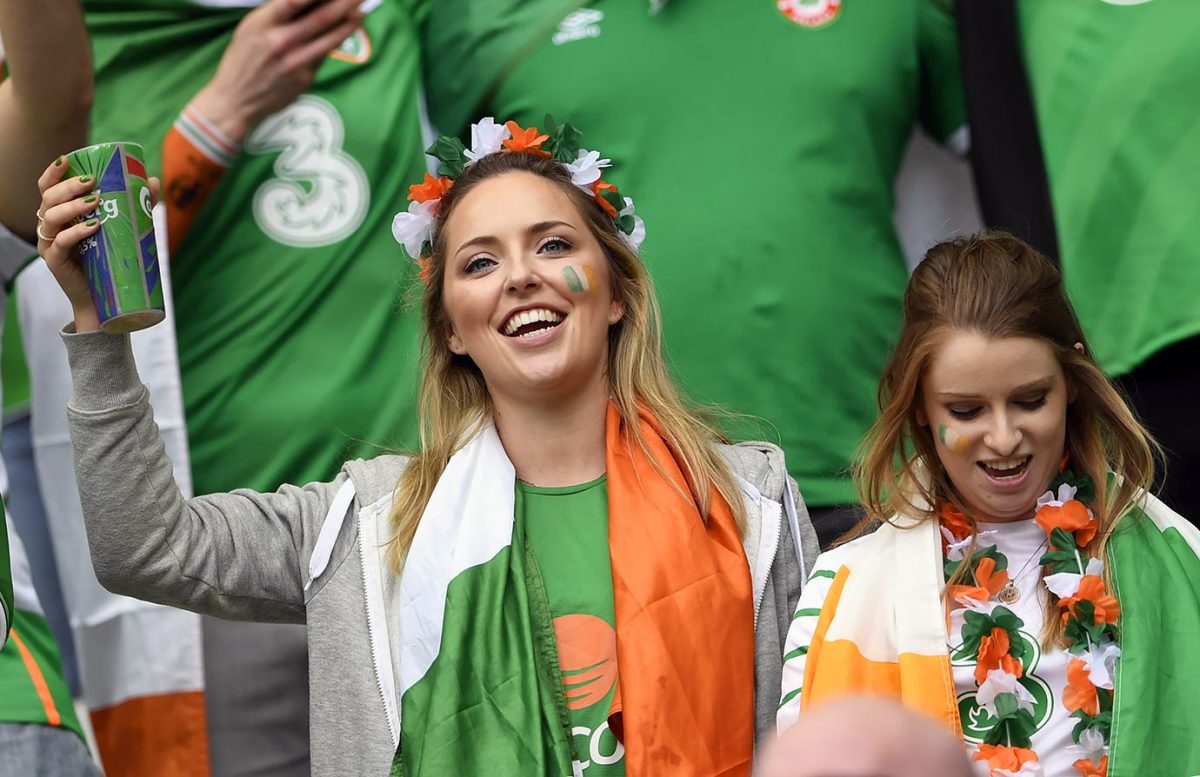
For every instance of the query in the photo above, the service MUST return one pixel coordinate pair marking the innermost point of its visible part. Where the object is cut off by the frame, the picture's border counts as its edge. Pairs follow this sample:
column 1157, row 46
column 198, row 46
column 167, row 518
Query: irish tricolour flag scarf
column 480, row 691
column 882, row 629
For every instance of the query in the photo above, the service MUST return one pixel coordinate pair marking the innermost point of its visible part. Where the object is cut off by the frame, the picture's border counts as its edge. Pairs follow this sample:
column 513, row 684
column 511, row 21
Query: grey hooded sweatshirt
column 316, row 554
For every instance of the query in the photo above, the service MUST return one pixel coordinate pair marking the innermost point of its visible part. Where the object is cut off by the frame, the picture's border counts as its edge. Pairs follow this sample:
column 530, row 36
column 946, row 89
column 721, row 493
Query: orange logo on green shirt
column 587, row 656
column 812, row 14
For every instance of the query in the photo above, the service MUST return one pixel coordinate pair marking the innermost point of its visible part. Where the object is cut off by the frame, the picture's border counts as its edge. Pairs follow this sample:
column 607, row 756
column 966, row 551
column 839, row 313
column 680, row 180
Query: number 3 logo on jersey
column 320, row 194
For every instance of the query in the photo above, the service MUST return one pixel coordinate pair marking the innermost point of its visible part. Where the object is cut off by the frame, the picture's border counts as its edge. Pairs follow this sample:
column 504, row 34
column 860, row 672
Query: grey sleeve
column 803, row 534
column 774, row 618
column 239, row 555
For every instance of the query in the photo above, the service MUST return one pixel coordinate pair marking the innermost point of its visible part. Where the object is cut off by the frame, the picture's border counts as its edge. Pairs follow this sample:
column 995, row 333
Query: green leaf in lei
column 977, row 625
column 1102, row 722
column 989, row 552
column 1014, row 726
column 562, row 140
column 1085, row 489
column 451, row 153
column 1082, row 627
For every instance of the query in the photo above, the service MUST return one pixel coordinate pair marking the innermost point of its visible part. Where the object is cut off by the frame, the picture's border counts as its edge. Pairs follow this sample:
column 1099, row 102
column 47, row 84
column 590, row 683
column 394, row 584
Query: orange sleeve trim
column 53, row 717
column 189, row 177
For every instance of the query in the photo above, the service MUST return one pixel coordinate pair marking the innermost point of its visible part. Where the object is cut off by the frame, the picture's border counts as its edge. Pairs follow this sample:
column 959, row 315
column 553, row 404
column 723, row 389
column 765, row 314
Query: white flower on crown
column 635, row 238
column 487, row 137
column 997, row 682
column 1066, row 584
column 1091, row 746
column 1100, row 661
column 585, row 170
column 414, row 228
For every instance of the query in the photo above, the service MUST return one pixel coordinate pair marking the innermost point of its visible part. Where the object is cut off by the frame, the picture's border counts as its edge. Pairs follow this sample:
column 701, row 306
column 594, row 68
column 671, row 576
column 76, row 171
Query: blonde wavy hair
column 453, row 401
column 995, row 285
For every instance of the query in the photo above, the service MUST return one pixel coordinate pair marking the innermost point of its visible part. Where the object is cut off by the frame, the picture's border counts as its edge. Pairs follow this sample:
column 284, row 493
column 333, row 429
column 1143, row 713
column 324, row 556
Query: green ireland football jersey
column 294, row 350
column 760, row 141
column 568, row 532
column 1113, row 87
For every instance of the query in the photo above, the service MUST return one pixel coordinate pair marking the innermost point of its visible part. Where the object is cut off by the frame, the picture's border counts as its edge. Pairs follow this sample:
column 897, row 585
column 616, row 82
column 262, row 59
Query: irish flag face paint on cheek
column 953, row 439
column 579, row 279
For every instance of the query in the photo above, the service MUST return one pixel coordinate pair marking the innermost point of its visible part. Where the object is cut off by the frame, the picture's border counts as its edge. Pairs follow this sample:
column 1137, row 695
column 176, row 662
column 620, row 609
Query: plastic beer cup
column 121, row 259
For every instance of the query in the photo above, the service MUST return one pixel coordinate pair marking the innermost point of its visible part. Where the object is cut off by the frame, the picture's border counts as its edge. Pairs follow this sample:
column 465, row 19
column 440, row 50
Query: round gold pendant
column 1009, row 594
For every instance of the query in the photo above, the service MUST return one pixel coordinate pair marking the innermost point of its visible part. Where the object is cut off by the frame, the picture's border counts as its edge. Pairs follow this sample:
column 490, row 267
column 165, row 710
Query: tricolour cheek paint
column 579, row 279
column 953, row 439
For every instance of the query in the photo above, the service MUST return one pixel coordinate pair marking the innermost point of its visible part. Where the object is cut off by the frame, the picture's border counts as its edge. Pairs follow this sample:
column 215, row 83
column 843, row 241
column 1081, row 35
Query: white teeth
column 1006, row 464
column 534, row 316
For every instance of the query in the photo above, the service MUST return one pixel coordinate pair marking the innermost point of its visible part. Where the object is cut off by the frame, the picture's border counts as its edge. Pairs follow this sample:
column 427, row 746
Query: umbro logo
column 579, row 25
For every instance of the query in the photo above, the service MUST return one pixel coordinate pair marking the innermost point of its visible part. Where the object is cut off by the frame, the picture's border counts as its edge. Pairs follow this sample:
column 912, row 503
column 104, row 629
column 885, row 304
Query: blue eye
column 554, row 245
column 479, row 264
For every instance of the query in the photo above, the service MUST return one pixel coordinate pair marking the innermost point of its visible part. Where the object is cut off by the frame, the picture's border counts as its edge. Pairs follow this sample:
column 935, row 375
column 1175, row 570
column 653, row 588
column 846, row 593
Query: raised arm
column 45, row 103
column 239, row 555
column 271, row 60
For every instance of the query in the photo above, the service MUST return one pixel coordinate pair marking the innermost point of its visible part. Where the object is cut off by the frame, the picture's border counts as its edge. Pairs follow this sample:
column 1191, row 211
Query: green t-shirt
column 1113, row 86
column 293, row 349
column 762, row 154
column 567, row 529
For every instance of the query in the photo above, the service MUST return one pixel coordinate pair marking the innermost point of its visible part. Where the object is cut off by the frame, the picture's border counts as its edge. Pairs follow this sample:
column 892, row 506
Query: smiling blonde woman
column 573, row 575
column 1025, row 588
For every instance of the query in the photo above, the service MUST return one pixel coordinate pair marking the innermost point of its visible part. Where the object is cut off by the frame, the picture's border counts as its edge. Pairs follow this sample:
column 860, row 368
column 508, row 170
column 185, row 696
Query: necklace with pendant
column 1010, row 594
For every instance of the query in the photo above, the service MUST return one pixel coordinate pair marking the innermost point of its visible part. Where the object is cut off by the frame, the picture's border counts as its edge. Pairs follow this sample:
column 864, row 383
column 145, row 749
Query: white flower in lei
column 1091, row 745
column 1030, row 769
column 585, row 170
column 414, row 228
column 1101, row 661
column 1064, row 585
column 487, row 137
column 999, row 681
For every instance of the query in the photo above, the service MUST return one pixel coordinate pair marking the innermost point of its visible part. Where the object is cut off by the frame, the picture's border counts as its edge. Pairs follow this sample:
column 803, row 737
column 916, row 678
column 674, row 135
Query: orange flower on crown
column 1091, row 589
column 988, row 582
column 429, row 189
column 993, row 654
column 1071, row 516
column 1088, row 768
column 1005, row 757
column 598, row 189
column 527, row 140
column 1080, row 693
column 426, row 273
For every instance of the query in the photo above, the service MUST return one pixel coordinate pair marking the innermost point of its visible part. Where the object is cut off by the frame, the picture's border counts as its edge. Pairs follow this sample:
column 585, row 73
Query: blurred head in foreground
column 865, row 737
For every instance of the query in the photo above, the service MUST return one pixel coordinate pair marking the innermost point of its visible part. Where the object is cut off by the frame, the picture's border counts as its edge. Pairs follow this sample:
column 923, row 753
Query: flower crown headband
column 413, row 228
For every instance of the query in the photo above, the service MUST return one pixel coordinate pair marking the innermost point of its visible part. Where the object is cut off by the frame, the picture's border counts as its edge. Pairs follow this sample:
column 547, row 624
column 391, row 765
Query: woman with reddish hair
column 1024, row 588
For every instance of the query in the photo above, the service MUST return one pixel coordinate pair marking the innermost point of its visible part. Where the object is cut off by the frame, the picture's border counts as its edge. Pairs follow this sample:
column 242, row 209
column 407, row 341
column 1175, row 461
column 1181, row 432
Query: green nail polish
column 92, row 223
column 58, row 161
column 92, row 198
column 84, row 178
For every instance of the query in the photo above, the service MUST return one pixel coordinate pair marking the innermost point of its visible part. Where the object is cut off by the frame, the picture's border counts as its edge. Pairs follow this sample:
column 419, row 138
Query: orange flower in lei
column 956, row 521
column 429, row 189
column 1091, row 589
column 989, row 582
column 598, row 188
column 528, row 141
column 993, row 654
column 1071, row 516
column 1005, row 757
column 1080, row 693
column 1088, row 768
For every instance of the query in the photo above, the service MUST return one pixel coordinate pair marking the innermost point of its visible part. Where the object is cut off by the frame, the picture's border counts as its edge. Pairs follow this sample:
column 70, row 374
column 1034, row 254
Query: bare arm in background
column 45, row 103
